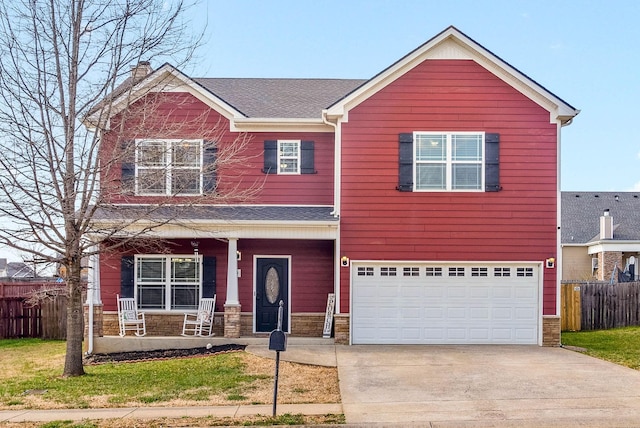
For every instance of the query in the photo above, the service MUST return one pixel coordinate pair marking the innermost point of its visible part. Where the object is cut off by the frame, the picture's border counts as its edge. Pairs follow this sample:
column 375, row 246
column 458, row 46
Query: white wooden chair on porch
column 129, row 318
column 200, row 323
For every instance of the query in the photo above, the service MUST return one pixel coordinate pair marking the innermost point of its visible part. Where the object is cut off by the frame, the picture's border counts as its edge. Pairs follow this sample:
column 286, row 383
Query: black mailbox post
column 278, row 343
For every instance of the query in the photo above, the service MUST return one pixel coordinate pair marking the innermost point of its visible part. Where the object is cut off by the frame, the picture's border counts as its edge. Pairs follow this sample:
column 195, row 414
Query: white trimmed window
column 168, row 167
column 168, row 282
column 288, row 156
column 448, row 161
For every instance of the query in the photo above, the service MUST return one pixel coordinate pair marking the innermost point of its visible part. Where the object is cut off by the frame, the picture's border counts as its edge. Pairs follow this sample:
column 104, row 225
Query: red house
column 426, row 199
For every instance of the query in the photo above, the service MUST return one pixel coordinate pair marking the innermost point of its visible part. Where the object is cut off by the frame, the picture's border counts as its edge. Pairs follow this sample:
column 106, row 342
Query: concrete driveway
column 480, row 386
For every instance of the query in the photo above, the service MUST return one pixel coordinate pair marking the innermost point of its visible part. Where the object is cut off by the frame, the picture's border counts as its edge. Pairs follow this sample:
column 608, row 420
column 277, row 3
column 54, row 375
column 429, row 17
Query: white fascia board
column 236, row 229
column 251, row 124
column 451, row 44
column 611, row 246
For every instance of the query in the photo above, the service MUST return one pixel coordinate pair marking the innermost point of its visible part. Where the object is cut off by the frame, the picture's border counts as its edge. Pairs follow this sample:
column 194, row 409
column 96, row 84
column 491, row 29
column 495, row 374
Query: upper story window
column 289, row 157
column 168, row 167
column 449, row 161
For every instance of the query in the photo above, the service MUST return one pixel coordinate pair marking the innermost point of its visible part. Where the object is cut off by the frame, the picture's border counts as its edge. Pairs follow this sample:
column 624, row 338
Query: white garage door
column 424, row 303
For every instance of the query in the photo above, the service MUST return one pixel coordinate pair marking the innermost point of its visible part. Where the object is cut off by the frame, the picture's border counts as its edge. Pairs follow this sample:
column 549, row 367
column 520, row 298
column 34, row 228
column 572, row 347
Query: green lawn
column 618, row 345
column 35, row 365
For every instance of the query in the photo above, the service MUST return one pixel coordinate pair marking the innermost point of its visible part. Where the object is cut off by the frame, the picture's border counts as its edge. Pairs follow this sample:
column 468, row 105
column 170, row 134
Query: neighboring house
column 15, row 270
column 426, row 198
column 600, row 233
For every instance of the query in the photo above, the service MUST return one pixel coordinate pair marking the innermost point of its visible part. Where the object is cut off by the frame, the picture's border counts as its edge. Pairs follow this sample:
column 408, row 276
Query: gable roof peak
column 451, row 43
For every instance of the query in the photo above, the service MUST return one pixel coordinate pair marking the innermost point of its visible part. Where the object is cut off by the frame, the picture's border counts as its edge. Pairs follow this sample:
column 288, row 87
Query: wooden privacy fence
column 598, row 305
column 47, row 320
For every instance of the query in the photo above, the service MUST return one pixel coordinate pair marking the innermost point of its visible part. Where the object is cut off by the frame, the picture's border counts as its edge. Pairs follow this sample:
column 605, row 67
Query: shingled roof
column 581, row 213
column 269, row 213
column 280, row 98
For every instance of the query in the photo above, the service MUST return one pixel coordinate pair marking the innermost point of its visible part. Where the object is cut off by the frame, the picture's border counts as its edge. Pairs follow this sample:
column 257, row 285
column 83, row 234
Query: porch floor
column 305, row 350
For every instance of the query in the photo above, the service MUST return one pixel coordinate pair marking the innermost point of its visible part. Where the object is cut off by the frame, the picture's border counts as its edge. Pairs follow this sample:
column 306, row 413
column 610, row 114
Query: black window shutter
column 405, row 169
column 492, row 163
column 126, row 276
column 270, row 157
column 307, row 163
column 210, row 173
column 208, row 276
column 128, row 167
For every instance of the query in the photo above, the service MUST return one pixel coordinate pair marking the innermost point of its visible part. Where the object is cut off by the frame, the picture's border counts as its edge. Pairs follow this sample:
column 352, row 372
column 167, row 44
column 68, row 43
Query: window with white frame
column 288, row 156
column 169, row 167
column 168, row 282
column 449, row 161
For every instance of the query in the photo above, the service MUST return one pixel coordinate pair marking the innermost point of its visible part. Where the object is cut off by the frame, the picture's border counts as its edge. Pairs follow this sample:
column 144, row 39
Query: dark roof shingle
column 219, row 213
column 581, row 213
column 280, row 98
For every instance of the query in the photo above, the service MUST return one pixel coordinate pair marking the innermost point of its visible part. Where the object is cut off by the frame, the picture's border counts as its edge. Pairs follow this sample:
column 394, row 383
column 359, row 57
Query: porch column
column 232, row 304
column 93, row 309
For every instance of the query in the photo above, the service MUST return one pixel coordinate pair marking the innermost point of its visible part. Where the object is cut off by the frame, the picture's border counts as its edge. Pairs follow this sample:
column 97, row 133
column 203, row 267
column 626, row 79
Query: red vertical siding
column 515, row 224
column 180, row 115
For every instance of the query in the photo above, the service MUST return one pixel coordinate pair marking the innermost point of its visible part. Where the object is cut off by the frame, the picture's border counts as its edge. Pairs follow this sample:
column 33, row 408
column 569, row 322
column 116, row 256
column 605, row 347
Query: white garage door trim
column 395, row 302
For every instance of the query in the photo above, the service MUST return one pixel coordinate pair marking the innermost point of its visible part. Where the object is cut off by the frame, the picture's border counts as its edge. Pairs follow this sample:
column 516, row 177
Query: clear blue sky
column 585, row 52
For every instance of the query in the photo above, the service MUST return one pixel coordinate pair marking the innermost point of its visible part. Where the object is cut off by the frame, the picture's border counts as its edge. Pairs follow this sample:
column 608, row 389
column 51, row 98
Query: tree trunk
column 75, row 323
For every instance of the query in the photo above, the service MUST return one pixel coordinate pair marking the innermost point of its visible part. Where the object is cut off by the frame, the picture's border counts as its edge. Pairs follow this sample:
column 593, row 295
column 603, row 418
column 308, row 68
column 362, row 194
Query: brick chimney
column 606, row 225
column 141, row 70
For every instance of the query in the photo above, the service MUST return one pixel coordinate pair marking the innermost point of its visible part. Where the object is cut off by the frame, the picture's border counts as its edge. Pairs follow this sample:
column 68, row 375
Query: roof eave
column 262, row 124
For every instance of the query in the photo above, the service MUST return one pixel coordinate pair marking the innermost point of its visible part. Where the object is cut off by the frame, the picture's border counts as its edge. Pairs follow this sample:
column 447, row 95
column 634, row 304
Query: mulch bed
column 163, row 354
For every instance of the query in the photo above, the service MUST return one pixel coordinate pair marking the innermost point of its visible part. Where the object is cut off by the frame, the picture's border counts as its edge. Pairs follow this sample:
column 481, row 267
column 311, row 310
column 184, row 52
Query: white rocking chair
column 200, row 323
column 129, row 318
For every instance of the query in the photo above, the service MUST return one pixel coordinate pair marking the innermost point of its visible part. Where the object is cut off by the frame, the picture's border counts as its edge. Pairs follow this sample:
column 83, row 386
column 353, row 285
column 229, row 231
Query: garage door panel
column 411, row 291
column 525, row 314
column 499, row 292
column 479, row 314
column 456, row 313
column 434, row 313
column 481, row 334
column 480, row 292
column 456, row 292
column 434, row 292
column 450, row 309
column 411, row 334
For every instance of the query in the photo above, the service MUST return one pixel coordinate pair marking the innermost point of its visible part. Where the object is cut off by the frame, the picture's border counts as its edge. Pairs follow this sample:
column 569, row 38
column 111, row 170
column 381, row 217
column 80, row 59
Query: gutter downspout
column 337, row 169
column 337, row 163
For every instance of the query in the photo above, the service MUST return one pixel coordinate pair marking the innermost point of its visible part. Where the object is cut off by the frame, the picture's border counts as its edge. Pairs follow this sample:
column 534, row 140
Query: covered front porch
column 248, row 263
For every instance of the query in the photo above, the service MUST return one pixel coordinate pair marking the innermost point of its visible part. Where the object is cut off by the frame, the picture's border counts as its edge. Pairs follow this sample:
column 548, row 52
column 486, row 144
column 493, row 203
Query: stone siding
column 551, row 331
column 341, row 328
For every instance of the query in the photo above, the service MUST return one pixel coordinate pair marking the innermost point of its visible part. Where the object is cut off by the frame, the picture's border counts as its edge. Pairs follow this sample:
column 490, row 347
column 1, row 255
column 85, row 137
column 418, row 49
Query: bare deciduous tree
column 65, row 71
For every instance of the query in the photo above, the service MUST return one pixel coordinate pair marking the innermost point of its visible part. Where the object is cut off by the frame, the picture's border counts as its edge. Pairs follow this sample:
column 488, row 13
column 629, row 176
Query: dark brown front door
column 272, row 286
